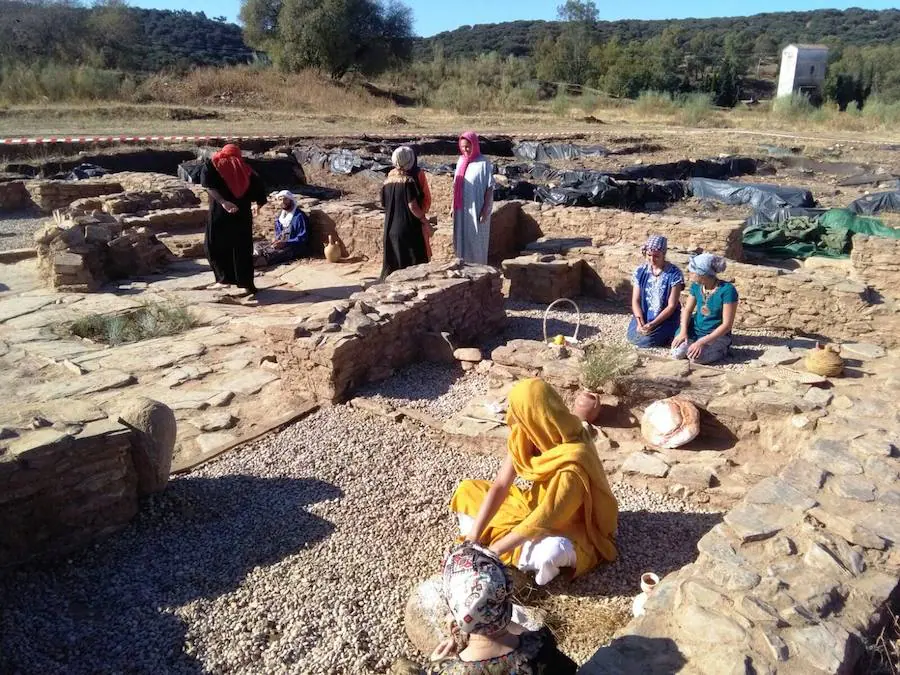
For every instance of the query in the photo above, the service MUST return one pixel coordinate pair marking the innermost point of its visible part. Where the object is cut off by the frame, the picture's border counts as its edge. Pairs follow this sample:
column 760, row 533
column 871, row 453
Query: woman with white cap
column 405, row 223
column 708, row 316
column 291, row 234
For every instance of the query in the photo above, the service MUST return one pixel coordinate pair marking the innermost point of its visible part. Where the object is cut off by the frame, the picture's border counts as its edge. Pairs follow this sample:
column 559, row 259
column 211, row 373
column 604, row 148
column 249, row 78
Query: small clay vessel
column 587, row 406
column 332, row 250
column 648, row 585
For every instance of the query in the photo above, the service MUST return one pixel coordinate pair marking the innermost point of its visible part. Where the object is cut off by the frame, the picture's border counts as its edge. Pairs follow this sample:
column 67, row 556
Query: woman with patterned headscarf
column 708, row 316
column 232, row 186
column 656, row 288
column 568, row 517
column 473, row 200
column 405, row 223
column 478, row 591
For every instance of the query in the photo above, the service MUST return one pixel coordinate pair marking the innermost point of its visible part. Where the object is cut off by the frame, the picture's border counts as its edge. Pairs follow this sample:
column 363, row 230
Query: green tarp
column 828, row 235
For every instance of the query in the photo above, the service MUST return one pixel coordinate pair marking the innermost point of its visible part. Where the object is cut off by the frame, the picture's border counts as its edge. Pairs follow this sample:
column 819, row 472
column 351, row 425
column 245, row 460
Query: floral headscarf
column 477, row 589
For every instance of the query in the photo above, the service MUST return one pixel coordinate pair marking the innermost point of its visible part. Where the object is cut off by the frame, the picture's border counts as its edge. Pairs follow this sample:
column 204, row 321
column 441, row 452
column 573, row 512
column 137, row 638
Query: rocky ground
column 296, row 554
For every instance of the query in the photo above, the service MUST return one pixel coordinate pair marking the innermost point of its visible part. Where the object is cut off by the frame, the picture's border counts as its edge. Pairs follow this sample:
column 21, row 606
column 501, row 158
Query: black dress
column 229, row 236
column 404, row 243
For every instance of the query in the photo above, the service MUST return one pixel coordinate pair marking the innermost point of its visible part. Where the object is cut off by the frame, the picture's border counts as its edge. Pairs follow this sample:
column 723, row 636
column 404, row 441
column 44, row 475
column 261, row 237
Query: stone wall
column 388, row 326
column 13, row 196
column 79, row 476
column 543, row 278
column 58, row 492
column 800, row 571
column 50, row 195
column 876, row 262
column 359, row 228
column 81, row 253
column 612, row 226
column 817, row 302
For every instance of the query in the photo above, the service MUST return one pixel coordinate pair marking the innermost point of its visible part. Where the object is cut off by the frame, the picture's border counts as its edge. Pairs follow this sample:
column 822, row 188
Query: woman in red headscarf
column 233, row 186
column 473, row 199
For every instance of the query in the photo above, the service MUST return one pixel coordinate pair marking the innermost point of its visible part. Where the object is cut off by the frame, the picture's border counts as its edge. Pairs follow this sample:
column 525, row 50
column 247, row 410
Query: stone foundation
column 369, row 336
column 82, row 253
column 50, row 195
column 61, row 489
column 612, row 226
column 797, row 574
column 876, row 262
column 543, row 278
column 13, row 196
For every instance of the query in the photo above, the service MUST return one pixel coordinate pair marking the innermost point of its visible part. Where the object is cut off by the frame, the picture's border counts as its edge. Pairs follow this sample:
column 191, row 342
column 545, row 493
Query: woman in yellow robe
column 569, row 498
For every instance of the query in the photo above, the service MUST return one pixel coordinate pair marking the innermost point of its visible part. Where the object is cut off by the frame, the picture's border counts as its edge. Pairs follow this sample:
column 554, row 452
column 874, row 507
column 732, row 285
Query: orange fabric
column 426, row 190
column 422, row 180
column 233, row 169
column 570, row 495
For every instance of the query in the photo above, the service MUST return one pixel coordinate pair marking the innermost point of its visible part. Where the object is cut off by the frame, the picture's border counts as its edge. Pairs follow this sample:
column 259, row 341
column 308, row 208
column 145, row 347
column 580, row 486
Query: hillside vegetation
column 859, row 27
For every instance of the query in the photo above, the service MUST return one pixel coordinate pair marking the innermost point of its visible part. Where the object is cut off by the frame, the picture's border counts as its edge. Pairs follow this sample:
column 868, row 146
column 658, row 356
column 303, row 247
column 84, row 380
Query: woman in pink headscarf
column 473, row 199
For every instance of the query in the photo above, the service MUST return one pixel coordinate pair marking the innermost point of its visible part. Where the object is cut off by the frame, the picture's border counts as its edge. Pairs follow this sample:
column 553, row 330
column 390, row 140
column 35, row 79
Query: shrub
column 150, row 321
column 606, row 363
column 793, row 107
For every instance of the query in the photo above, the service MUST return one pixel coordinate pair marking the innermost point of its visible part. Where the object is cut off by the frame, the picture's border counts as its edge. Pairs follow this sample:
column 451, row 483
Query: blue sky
column 434, row 16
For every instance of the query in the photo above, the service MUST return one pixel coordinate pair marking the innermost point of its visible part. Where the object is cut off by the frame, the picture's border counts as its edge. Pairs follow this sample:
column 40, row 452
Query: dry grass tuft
column 882, row 656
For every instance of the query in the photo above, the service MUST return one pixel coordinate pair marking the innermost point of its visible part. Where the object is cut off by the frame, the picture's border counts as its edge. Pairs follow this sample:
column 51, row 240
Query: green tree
column 333, row 35
column 568, row 57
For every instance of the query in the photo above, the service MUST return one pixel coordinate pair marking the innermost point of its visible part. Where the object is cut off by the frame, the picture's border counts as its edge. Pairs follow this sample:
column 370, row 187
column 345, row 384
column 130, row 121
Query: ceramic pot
column 332, row 250
column 587, row 406
column 649, row 582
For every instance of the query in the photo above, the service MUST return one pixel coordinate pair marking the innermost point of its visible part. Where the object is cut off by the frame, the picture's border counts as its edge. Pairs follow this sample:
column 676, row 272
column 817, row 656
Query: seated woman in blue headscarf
column 291, row 235
column 655, row 297
column 708, row 316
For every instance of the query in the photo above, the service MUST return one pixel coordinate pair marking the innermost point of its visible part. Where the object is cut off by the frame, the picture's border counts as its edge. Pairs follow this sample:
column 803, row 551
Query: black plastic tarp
column 876, row 203
column 607, row 191
column 762, row 197
column 536, row 151
column 684, row 169
column 277, row 173
column 82, row 172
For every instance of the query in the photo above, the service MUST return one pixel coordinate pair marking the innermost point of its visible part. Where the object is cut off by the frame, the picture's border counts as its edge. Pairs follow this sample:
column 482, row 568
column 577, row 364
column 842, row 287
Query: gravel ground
column 17, row 229
column 441, row 390
column 294, row 555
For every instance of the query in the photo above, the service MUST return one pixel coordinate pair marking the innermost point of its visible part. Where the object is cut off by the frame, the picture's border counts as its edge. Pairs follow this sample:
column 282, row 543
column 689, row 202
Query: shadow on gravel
column 111, row 608
column 649, row 541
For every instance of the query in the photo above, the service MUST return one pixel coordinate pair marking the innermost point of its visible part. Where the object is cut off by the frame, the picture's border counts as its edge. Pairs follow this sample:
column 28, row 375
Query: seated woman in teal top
column 708, row 316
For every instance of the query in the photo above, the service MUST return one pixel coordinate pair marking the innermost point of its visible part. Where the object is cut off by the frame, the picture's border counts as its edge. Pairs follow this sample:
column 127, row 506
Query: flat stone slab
column 79, row 386
column 141, row 356
column 645, row 464
column 248, row 381
column 211, row 442
column 324, row 283
column 22, row 305
column 863, row 351
column 753, row 522
column 834, row 456
column 68, row 411
column 778, row 356
column 775, row 491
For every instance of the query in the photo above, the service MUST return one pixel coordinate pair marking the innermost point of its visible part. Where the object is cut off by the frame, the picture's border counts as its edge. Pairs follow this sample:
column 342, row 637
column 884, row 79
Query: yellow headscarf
column 545, row 439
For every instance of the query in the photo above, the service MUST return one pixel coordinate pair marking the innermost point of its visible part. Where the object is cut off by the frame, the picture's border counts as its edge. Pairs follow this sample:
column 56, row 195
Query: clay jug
column 332, row 250
column 587, row 406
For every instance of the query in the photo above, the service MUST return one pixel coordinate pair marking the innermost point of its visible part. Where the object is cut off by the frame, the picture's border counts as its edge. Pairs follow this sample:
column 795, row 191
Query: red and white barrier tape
column 129, row 139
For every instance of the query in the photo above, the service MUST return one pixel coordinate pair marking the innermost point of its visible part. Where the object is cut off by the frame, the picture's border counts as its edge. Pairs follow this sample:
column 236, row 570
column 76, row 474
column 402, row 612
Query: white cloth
column 546, row 557
column 465, row 524
column 471, row 238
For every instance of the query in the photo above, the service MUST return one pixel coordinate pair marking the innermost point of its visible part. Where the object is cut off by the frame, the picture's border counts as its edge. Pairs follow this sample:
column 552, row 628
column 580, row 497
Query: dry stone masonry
column 13, row 196
column 50, row 195
column 77, row 477
column 369, row 336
